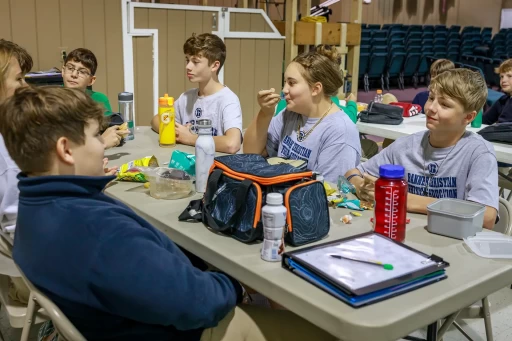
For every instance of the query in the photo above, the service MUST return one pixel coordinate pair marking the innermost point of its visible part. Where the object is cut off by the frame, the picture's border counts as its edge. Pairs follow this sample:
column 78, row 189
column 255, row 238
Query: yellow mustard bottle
column 167, row 121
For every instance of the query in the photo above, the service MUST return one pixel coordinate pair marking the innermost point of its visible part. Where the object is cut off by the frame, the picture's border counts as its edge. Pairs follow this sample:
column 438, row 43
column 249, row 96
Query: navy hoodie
column 110, row 272
column 501, row 111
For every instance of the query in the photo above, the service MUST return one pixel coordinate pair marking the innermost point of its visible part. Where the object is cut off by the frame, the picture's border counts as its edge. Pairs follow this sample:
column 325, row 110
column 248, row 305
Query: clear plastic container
column 490, row 244
column 169, row 183
column 455, row 218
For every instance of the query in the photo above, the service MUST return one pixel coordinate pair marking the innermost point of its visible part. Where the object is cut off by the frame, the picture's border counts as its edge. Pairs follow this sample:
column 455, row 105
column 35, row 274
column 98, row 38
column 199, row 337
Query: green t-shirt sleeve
column 103, row 99
column 351, row 110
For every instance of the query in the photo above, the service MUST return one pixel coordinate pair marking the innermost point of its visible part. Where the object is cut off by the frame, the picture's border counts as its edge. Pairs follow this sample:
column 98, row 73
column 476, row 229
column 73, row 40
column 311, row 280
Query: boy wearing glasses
column 79, row 72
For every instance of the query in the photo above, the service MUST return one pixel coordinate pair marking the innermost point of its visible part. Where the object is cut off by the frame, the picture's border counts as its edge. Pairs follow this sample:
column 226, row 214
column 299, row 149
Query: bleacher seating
column 402, row 52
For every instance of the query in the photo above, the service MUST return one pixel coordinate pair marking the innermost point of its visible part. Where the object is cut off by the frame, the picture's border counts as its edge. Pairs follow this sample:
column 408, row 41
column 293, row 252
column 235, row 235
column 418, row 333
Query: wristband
column 352, row 175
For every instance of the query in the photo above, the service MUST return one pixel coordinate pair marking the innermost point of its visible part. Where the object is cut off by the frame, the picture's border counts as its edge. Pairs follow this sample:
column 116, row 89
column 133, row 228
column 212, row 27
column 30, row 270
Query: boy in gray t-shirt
column 205, row 55
column 445, row 161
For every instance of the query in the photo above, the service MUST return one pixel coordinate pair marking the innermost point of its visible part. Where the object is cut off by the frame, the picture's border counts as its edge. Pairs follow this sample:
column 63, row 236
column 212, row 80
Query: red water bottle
column 391, row 202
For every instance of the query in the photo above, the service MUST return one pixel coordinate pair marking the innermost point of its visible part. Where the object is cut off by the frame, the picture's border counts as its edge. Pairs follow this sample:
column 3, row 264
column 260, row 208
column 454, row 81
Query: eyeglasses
column 82, row 73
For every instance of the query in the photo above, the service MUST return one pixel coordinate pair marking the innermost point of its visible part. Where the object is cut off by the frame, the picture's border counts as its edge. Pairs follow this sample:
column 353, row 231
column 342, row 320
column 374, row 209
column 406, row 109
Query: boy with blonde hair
column 445, row 161
column 205, row 55
column 501, row 110
column 437, row 67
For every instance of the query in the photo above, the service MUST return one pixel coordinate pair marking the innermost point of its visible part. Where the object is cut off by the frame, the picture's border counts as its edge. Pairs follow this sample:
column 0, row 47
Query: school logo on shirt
column 292, row 150
column 432, row 168
column 198, row 112
column 432, row 186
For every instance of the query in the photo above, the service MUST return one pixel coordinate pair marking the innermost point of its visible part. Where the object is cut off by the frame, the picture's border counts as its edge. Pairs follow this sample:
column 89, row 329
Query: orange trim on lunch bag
column 287, row 202
column 257, row 215
column 265, row 181
column 211, row 168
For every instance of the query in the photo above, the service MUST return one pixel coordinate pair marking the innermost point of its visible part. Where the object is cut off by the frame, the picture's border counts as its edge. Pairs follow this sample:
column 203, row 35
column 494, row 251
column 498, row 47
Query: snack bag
column 130, row 172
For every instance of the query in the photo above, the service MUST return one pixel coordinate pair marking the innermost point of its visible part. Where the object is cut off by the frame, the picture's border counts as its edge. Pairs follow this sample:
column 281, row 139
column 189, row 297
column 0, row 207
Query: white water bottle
column 274, row 222
column 205, row 153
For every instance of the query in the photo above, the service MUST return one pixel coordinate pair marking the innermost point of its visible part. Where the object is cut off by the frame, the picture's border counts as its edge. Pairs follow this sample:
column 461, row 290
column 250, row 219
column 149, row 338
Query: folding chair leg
column 382, row 82
column 487, row 319
column 29, row 319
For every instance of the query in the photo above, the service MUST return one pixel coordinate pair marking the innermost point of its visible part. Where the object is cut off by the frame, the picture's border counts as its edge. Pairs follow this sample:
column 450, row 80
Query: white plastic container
column 274, row 222
column 490, row 244
column 455, row 218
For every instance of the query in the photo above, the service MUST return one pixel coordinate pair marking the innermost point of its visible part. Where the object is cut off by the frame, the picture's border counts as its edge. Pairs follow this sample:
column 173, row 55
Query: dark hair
column 34, row 119
column 206, row 45
column 322, row 65
column 84, row 56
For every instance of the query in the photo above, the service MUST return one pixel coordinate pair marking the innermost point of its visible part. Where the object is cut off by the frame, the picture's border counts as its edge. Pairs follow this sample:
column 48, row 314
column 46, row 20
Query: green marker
column 374, row 262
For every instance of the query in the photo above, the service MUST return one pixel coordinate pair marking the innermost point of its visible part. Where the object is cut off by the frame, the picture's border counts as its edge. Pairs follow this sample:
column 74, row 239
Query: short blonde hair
column 462, row 85
column 439, row 66
column 322, row 65
column 389, row 98
column 505, row 67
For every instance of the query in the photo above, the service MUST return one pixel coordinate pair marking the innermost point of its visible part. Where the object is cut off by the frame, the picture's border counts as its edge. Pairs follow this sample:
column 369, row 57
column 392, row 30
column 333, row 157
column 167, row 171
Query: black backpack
column 382, row 114
column 500, row 132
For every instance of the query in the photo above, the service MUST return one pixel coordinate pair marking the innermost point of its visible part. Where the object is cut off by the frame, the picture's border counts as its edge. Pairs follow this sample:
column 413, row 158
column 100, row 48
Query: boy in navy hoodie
column 501, row 110
column 111, row 273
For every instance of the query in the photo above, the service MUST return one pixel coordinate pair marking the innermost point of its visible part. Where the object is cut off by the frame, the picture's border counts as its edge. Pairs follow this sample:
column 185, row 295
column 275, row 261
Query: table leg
column 432, row 332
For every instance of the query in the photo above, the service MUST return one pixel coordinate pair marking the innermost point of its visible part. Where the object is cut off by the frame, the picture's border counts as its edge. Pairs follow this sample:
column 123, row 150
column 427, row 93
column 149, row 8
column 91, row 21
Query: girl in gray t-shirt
column 331, row 148
column 312, row 127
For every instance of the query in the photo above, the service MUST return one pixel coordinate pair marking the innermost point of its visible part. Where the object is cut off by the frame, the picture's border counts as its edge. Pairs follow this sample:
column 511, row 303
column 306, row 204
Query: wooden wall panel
column 176, row 74
column 261, row 64
column 5, row 20
column 24, row 27
column 143, row 73
column 114, row 42
column 193, row 24
column 232, row 67
column 275, row 66
column 158, row 20
column 247, row 58
column 48, row 32
column 236, row 18
column 72, row 24
column 475, row 14
column 94, row 38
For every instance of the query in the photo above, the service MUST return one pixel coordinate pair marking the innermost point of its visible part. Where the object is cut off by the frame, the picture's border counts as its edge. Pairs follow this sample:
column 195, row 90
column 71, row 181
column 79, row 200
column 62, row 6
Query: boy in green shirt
column 79, row 72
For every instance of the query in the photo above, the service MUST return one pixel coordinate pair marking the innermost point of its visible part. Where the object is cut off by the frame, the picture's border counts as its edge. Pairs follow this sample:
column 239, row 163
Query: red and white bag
column 409, row 109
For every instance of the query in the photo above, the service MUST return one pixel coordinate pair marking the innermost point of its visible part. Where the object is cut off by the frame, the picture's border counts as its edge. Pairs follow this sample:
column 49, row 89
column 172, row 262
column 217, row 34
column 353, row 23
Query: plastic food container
column 490, row 244
column 169, row 183
column 455, row 218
